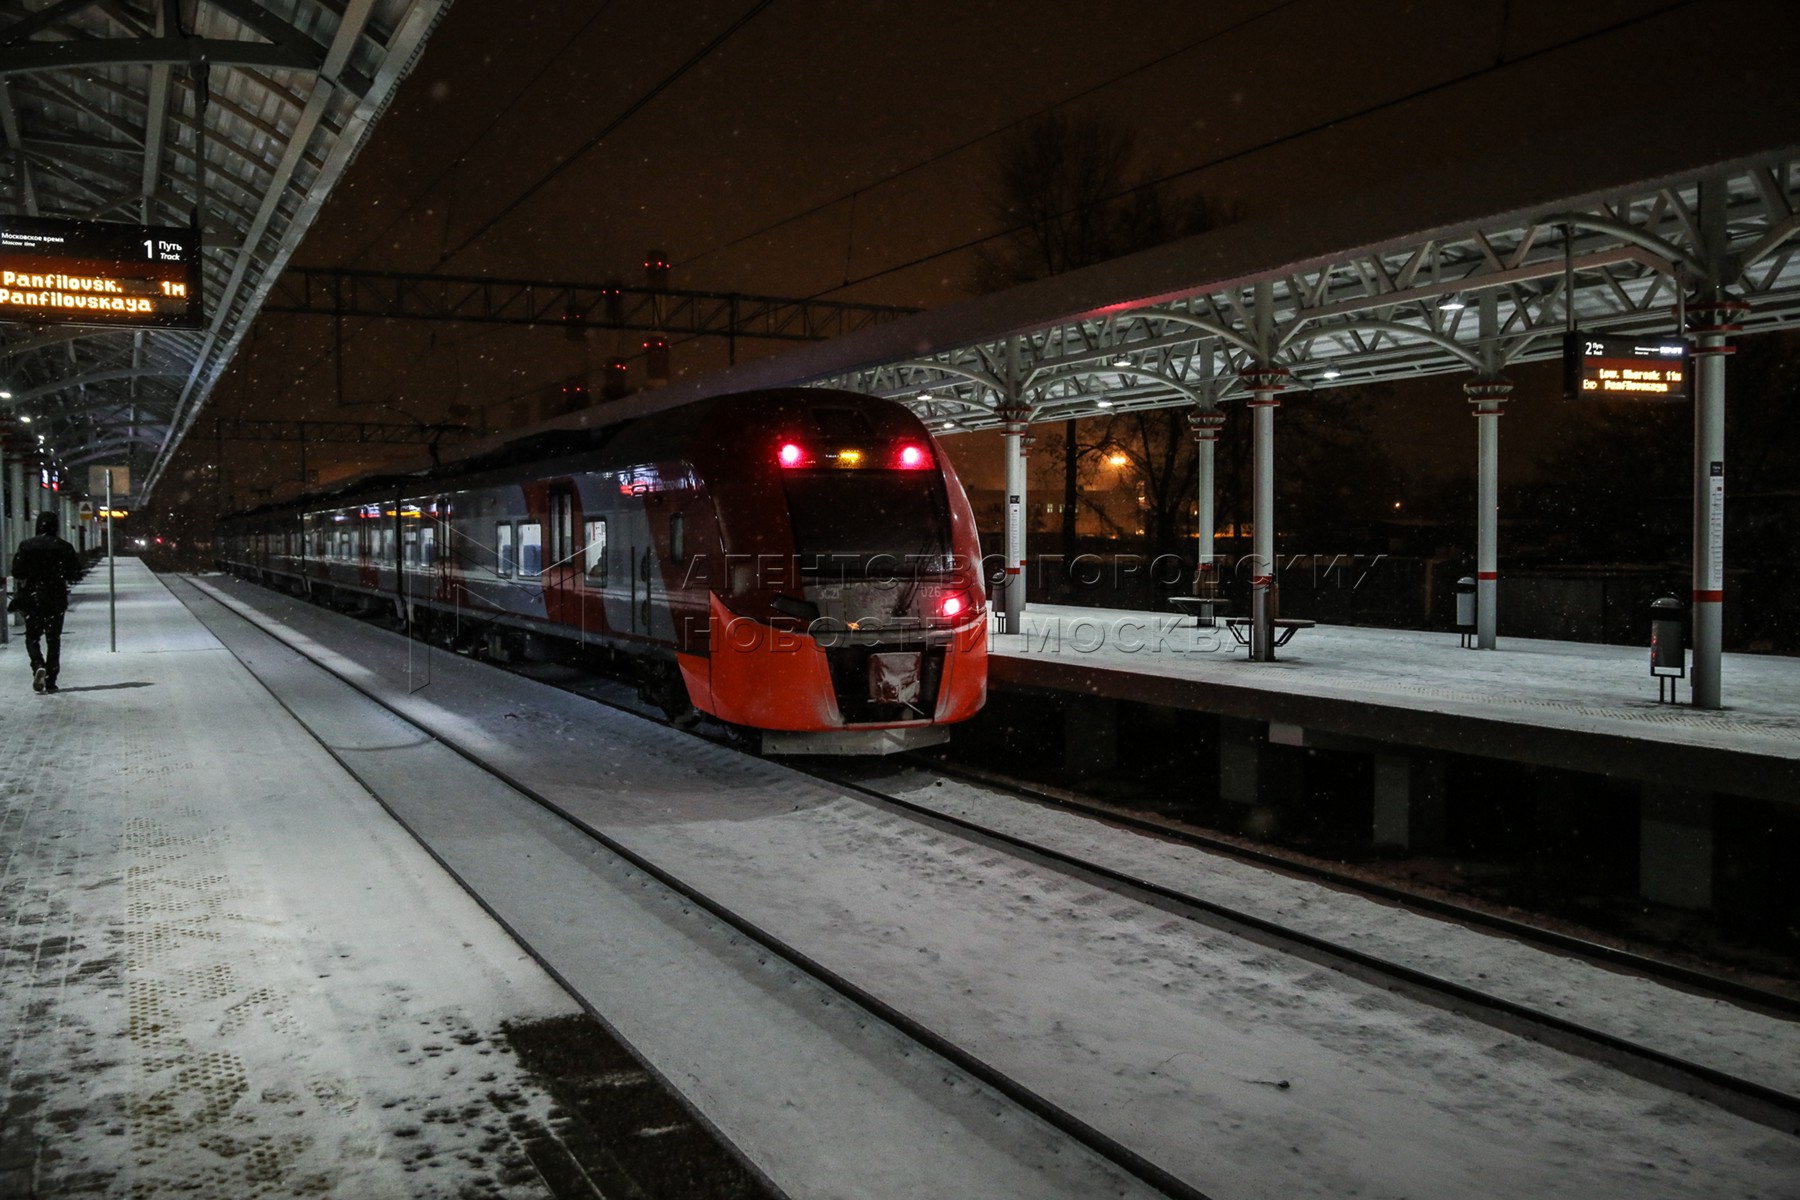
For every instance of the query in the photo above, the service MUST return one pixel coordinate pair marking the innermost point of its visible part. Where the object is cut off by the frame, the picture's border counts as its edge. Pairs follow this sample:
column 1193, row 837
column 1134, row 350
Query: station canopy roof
column 1463, row 273
column 146, row 112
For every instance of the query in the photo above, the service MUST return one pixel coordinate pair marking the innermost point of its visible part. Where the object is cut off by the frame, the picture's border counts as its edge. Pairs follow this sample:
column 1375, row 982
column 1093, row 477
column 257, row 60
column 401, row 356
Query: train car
column 799, row 564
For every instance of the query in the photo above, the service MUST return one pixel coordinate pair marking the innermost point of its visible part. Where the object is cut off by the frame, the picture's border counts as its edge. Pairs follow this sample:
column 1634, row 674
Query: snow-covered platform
column 223, row 967
column 1562, row 704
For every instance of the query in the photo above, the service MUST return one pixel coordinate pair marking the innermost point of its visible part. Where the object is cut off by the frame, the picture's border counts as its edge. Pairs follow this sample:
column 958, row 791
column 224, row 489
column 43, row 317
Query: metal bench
column 1285, row 629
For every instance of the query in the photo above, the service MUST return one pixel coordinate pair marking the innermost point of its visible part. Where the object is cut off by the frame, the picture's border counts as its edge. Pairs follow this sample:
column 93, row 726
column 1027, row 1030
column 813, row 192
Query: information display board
column 98, row 273
column 1608, row 365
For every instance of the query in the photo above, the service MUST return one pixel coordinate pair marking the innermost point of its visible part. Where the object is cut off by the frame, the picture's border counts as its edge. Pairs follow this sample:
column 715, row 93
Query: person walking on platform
column 43, row 568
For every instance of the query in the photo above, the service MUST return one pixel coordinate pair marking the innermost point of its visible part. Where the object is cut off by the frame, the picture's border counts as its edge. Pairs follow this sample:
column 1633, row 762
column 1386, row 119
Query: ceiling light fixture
column 1452, row 302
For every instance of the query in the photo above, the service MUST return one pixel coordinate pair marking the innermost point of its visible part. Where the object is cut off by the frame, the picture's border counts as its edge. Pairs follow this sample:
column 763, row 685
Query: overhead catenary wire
column 699, row 56
column 978, row 139
column 1272, row 143
column 518, row 96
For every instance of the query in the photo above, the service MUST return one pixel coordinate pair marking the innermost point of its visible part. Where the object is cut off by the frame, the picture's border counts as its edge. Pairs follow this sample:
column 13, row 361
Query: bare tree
column 1060, row 191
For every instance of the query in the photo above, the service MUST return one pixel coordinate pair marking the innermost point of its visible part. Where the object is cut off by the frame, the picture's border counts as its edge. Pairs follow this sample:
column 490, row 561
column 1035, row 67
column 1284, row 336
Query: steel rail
column 1046, row 1110
column 1765, row 1105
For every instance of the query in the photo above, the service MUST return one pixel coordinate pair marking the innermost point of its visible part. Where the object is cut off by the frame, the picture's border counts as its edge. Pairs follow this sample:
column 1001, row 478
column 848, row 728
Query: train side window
column 503, row 550
column 595, row 552
column 678, row 538
column 428, row 545
column 531, row 549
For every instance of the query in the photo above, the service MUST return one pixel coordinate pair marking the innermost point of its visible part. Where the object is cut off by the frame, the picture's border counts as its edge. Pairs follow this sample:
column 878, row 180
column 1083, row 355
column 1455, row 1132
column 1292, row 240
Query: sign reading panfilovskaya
column 98, row 273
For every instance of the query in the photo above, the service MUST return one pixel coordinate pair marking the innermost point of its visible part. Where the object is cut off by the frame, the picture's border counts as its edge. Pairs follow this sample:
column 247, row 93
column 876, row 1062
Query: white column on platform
column 1714, row 314
column 1487, row 395
column 1709, row 505
column 1265, row 385
column 1015, row 416
column 1206, row 420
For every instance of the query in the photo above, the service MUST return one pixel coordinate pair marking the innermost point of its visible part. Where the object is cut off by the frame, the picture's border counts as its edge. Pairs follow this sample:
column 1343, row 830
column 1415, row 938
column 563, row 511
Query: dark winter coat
column 43, row 568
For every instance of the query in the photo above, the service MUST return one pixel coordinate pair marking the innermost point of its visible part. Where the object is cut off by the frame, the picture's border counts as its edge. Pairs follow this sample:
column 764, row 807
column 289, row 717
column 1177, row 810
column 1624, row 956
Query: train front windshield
column 870, row 524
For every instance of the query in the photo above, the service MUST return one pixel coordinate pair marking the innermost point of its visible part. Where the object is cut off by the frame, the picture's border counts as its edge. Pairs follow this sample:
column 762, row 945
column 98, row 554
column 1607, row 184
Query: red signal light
column 791, row 455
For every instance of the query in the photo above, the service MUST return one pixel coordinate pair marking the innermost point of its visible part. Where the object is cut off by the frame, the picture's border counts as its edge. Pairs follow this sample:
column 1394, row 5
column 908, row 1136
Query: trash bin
column 1465, row 609
column 1668, row 649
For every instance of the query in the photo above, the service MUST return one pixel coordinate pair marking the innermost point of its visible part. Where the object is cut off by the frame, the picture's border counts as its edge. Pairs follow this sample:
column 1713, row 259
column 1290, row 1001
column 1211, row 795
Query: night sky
column 803, row 148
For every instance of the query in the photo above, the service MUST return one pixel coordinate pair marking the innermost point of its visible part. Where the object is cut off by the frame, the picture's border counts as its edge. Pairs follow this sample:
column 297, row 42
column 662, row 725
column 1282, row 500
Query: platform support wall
column 1238, row 760
column 1090, row 735
column 1675, row 847
column 1409, row 803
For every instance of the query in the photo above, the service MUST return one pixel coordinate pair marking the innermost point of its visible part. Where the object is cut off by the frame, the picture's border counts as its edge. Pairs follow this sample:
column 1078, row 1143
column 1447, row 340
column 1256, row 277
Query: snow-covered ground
column 1243, row 1071
column 1530, row 682
column 225, row 972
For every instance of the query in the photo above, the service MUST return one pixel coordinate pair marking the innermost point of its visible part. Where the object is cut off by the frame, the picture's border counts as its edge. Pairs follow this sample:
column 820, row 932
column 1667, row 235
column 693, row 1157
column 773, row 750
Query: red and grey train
column 799, row 563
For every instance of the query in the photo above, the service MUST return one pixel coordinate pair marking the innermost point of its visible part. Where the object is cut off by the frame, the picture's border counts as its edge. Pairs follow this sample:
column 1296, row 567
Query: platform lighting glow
column 1123, row 360
column 1330, row 373
column 25, row 417
column 1453, row 302
column 1103, row 404
column 5, row 395
column 927, row 396
column 791, row 455
column 1117, row 460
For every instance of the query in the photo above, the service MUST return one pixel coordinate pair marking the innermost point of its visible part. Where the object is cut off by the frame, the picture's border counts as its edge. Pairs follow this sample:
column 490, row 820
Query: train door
column 563, row 561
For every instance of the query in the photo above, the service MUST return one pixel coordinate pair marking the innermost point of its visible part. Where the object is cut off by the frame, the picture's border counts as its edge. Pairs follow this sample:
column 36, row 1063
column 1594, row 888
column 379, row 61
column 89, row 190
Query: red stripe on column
column 1709, row 597
column 1012, row 570
column 1487, row 574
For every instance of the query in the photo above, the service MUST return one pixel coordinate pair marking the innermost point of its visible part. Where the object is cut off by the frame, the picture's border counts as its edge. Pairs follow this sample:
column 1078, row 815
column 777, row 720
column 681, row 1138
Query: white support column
column 1016, row 417
column 9, row 503
column 1206, row 420
column 1714, row 320
column 1487, row 395
column 1265, row 384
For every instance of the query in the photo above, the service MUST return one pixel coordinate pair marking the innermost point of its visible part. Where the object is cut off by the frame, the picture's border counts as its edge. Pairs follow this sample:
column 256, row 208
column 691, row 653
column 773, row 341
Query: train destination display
column 98, row 273
column 1608, row 365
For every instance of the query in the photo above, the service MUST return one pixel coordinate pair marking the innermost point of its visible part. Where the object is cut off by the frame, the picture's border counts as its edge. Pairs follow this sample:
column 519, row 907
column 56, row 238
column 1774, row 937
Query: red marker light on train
column 791, row 455
column 951, row 606
column 911, row 458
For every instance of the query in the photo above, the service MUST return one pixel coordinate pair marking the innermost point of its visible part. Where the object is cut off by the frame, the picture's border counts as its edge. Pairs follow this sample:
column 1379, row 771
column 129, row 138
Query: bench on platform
column 1204, row 609
column 1285, row 629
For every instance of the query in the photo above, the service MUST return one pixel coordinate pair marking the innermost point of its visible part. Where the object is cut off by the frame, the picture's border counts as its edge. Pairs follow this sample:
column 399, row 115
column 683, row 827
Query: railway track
column 959, row 1070
column 1770, row 1106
